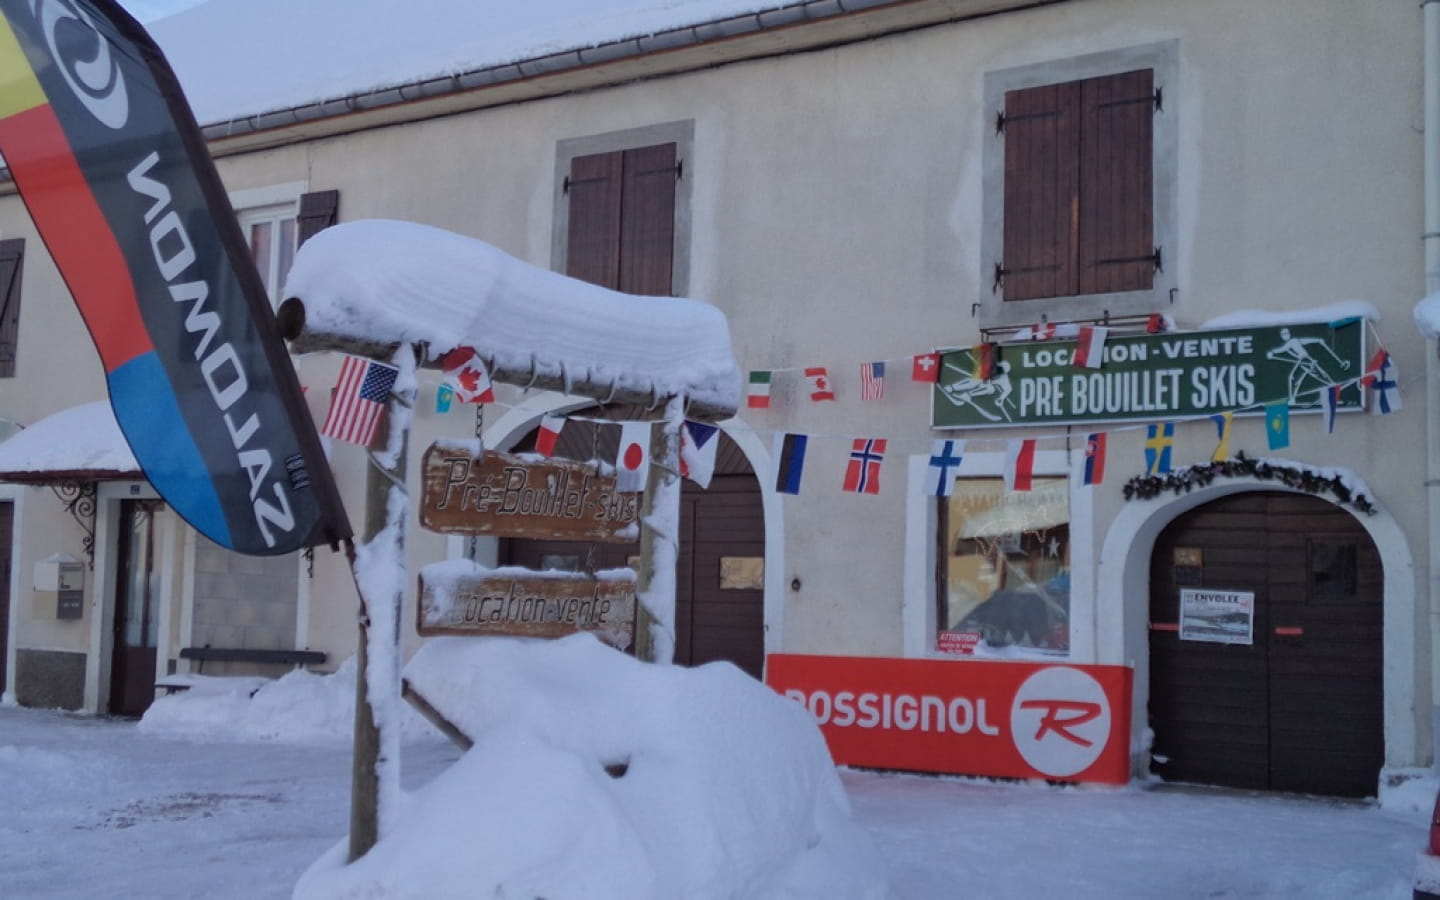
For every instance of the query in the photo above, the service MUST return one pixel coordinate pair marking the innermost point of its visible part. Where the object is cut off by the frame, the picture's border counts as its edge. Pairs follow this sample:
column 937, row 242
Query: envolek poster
column 109, row 161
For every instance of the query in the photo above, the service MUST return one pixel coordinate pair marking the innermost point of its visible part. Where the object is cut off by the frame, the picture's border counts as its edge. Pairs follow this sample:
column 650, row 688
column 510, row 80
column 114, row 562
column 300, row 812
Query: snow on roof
column 241, row 57
column 82, row 440
column 1334, row 312
column 385, row 282
column 1427, row 316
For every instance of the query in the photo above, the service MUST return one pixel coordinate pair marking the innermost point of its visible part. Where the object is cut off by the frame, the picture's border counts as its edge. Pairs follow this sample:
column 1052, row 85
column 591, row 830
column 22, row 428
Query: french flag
column 1090, row 351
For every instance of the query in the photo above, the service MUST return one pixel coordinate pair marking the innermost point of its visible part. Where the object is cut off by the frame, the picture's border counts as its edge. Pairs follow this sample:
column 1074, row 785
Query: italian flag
column 757, row 396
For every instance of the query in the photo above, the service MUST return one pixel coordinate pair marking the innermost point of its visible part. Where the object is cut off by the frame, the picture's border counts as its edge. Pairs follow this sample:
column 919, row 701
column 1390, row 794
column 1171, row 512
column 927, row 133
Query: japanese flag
column 632, row 460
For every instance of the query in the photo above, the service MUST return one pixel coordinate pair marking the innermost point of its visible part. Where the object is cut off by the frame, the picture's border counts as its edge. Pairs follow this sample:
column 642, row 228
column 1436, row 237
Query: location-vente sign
column 1174, row 375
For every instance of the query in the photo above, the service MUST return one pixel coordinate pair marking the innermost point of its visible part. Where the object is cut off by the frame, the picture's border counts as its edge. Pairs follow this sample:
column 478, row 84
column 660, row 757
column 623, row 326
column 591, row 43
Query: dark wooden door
column 1299, row 708
column 719, row 601
column 7, row 543
column 132, row 663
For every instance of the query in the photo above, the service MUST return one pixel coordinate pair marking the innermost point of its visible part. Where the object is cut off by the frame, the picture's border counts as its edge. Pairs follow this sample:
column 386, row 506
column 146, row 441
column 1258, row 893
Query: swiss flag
column 465, row 373
column 926, row 368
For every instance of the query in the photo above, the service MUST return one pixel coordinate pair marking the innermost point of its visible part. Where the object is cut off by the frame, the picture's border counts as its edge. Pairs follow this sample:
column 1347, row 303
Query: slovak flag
column 925, row 368
column 862, row 475
column 1095, row 458
column 1019, row 464
column 698, row 443
column 820, row 387
column 632, row 458
column 1090, row 351
column 550, row 426
column 466, row 375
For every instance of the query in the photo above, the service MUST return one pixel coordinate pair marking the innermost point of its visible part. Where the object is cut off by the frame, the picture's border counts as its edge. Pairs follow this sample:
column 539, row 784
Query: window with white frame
column 1004, row 578
column 271, row 232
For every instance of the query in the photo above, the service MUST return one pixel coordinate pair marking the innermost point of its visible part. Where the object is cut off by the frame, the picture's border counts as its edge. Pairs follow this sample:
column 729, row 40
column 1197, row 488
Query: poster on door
column 1217, row 617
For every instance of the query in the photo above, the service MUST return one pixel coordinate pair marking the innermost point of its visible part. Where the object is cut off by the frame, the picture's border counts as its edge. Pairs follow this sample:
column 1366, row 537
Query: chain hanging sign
column 1172, row 375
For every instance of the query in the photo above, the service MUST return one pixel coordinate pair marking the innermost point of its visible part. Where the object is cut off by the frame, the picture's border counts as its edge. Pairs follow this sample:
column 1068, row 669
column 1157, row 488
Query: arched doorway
column 1283, row 691
column 719, row 596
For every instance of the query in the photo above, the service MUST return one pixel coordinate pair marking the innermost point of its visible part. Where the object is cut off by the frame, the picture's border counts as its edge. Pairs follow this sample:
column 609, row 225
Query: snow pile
column 1427, row 316
column 1258, row 318
column 597, row 777
column 387, row 281
column 298, row 707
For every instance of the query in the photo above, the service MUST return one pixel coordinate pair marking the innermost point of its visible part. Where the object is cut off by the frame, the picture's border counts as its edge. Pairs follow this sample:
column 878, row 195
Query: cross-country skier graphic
column 1304, row 366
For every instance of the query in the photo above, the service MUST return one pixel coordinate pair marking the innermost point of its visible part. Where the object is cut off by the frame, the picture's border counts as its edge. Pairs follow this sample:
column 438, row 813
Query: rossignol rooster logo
column 85, row 61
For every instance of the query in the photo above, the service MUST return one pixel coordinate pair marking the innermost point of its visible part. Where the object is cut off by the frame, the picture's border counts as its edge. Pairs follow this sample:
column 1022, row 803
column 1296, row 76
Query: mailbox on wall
column 60, row 585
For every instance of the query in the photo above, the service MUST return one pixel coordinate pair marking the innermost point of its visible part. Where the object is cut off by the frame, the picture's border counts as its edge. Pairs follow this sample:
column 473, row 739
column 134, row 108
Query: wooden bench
column 202, row 655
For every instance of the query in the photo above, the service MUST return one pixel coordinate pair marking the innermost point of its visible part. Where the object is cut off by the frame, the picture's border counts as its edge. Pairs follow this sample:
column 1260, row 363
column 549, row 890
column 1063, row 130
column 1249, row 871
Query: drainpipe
column 1430, row 10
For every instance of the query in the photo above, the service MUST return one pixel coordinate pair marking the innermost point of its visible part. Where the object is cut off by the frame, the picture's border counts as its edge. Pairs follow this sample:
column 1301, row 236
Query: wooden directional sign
column 507, row 495
column 461, row 597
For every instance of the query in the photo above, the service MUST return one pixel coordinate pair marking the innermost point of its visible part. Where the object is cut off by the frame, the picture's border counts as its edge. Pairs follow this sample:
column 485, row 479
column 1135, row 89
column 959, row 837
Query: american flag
column 359, row 399
column 862, row 476
column 872, row 381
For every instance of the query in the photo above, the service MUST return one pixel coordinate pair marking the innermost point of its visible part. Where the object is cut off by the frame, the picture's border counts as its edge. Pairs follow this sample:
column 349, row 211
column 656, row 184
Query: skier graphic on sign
column 1304, row 367
column 988, row 397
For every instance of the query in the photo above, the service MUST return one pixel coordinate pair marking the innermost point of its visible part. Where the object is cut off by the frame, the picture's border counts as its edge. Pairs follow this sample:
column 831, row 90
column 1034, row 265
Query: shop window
column 1079, row 184
column 623, row 210
column 1005, row 572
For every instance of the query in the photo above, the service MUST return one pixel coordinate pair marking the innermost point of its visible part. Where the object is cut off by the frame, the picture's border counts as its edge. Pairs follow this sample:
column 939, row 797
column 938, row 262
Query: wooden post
column 376, row 751
column 659, row 550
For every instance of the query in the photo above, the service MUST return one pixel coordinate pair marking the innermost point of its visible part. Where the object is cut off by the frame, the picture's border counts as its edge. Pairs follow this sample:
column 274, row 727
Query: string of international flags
column 364, row 385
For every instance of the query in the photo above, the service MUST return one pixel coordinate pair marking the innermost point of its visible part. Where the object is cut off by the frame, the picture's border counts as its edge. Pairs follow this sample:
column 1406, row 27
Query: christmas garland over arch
column 1144, row 487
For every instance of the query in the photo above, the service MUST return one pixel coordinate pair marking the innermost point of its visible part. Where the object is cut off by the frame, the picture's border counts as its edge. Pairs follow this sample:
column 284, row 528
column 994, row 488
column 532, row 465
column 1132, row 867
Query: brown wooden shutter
column 1042, row 191
column 318, row 211
column 593, row 237
column 1117, row 251
column 647, row 221
column 12, row 256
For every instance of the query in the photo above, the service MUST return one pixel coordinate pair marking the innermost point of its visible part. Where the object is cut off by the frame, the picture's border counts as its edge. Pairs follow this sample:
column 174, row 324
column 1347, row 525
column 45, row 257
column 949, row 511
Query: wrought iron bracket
column 79, row 500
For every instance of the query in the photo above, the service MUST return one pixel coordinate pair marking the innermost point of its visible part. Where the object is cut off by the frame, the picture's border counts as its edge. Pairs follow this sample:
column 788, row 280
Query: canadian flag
column 820, row 388
column 1090, row 351
column 549, row 433
column 465, row 373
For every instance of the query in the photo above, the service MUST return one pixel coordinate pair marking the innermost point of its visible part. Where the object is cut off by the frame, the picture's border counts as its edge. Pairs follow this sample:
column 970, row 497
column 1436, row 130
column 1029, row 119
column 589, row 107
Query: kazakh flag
column 1277, row 424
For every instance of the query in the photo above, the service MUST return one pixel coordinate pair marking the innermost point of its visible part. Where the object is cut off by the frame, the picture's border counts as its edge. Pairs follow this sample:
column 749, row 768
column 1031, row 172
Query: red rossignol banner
column 1004, row 719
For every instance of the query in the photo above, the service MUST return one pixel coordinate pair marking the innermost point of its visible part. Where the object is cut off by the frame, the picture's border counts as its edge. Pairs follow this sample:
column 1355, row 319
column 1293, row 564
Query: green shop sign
column 1150, row 376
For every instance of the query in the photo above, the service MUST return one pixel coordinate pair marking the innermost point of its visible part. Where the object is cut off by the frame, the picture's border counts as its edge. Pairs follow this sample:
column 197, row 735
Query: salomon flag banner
column 108, row 159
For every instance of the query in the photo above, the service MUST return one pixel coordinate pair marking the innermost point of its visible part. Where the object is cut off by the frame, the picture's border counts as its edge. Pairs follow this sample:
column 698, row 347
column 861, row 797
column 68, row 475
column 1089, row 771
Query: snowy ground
column 97, row 808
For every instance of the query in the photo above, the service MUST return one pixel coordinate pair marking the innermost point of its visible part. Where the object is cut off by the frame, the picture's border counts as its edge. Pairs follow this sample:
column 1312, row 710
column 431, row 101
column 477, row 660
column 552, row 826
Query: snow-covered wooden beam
column 365, row 287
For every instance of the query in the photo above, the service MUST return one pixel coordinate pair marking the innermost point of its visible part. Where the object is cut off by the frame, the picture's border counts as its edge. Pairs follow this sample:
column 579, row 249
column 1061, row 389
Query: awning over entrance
column 82, row 443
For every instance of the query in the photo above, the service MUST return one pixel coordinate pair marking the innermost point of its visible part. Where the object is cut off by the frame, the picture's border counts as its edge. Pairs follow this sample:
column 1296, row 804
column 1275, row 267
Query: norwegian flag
column 872, row 381
column 1380, row 377
column 359, row 400
column 862, row 476
column 466, row 375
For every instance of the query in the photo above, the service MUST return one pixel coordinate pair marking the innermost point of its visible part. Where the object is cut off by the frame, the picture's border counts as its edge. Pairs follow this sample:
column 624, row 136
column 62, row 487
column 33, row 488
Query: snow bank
column 385, row 281
column 299, row 707
column 718, row 787
column 84, row 438
column 1259, row 318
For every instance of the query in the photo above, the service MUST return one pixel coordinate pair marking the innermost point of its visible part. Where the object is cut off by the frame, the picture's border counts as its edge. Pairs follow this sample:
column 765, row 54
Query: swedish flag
column 1159, row 439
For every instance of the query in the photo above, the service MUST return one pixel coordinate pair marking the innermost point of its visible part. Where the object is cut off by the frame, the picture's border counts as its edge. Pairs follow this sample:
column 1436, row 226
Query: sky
column 220, row 794
column 150, row 10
